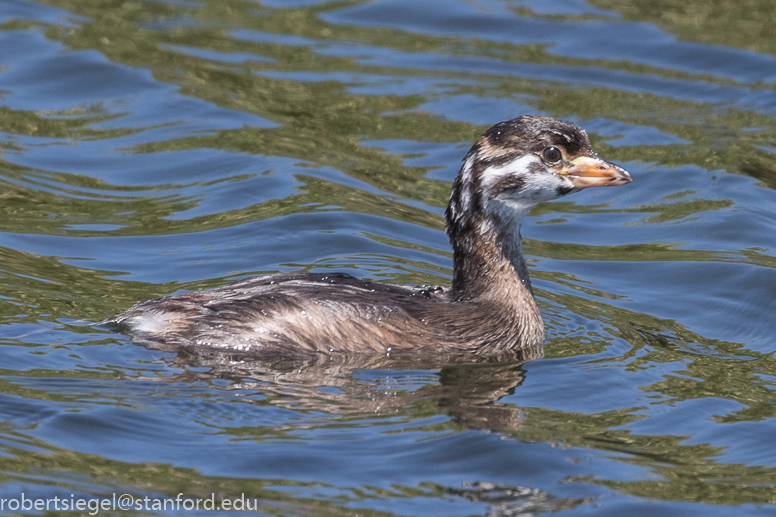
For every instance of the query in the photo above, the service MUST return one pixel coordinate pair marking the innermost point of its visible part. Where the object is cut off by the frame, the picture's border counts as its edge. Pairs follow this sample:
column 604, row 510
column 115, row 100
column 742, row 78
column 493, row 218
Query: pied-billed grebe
column 489, row 308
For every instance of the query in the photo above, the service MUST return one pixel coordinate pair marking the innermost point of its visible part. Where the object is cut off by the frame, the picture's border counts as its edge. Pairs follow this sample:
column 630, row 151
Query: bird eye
column 552, row 154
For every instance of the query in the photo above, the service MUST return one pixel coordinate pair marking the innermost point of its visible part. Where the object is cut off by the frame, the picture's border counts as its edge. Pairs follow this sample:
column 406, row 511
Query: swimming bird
column 489, row 308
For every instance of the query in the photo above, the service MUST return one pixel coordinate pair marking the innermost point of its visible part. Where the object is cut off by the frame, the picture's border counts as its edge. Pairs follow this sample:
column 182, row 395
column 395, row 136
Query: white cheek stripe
column 518, row 166
column 538, row 186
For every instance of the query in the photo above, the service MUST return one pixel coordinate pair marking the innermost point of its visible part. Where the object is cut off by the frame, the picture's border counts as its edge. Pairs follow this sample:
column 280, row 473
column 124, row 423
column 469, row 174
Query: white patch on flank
column 151, row 322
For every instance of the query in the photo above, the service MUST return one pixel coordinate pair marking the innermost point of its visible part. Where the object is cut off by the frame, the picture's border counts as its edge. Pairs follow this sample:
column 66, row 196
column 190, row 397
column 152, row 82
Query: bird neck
column 489, row 270
column 488, row 261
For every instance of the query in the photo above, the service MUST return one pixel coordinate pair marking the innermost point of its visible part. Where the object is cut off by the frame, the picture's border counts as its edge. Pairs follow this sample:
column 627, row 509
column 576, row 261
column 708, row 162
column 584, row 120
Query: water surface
column 156, row 146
